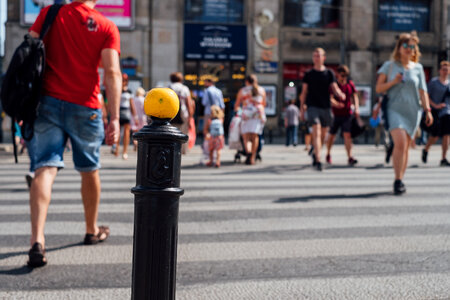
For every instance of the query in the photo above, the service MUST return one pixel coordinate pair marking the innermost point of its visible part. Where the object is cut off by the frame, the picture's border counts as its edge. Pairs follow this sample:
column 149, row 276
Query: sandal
column 102, row 235
column 36, row 256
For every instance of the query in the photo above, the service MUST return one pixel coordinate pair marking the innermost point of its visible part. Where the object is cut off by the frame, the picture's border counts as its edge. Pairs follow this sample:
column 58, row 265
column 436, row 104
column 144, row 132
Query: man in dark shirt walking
column 315, row 100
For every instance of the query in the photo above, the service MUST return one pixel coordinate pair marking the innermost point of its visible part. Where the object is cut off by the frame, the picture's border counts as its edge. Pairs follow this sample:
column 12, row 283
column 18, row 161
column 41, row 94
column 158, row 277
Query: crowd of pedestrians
column 328, row 103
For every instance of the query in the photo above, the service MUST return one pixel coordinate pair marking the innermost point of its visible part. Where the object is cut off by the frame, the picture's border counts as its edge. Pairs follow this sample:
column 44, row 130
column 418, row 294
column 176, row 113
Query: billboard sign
column 312, row 13
column 121, row 12
column 215, row 42
column 214, row 11
column 404, row 15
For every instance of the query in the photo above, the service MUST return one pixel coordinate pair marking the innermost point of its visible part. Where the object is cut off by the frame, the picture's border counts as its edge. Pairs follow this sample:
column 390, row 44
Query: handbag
column 358, row 127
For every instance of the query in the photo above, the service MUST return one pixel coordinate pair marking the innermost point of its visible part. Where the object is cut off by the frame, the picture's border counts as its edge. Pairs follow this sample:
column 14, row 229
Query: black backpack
column 22, row 83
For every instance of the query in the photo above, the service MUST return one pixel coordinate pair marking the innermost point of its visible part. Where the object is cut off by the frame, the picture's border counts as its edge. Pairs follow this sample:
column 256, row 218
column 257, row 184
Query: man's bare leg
column 317, row 140
column 90, row 194
column 40, row 197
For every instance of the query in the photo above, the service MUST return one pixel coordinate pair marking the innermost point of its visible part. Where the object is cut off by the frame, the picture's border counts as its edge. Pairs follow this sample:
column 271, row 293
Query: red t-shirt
column 348, row 89
column 73, row 48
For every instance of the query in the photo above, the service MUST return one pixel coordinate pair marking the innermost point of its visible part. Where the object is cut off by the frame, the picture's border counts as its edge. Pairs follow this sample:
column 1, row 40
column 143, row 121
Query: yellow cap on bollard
column 161, row 103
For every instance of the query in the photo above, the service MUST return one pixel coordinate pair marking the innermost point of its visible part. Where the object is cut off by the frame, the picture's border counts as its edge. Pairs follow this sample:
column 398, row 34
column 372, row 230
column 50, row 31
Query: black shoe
column 352, row 161
column 445, row 163
column 318, row 166
column 424, row 156
column 314, row 161
column 258, row 157
column 247, row 160
column 311, row 151
column 399, row 187
column 389, row 149
column 36, row 256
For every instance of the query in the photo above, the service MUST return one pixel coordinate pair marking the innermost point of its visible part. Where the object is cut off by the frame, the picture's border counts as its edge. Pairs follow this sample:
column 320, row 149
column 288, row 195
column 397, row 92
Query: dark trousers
column 292, row 135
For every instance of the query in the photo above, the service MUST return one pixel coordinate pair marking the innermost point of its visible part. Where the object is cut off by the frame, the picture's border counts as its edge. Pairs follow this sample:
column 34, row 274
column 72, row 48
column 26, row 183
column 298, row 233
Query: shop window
column 214, row 11
column 404, row 15
column 228, row 75
column 312, row 13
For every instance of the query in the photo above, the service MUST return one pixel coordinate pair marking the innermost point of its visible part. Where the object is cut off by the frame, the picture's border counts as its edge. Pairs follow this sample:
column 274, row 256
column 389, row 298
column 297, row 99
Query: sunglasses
column 343, row 74
column 406, row 46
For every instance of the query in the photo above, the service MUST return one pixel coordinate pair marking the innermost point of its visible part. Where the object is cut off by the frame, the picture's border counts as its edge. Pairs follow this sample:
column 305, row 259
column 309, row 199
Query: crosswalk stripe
column 224, row 206
column 415, row 286
column 252, row 225
column 228, row 251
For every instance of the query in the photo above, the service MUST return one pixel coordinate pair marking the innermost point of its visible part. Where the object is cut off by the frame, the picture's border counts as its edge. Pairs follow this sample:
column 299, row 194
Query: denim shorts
column 58, row 121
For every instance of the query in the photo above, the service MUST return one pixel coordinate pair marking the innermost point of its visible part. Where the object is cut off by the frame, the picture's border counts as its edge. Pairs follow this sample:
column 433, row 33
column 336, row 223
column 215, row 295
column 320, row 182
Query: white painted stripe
column 112, row 293
column 250, row 225
column 300, row 223
column 256, row 205
column 411, row 286
column 230, row 251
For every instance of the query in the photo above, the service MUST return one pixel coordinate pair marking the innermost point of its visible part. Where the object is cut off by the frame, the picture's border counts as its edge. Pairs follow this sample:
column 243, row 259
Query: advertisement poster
column 365, row 100
column 271, row 99
column 265, row 31
column 118, row 11
column 404, row 15
column 214, row 11
column 312, row 13
column 215, row 42
column 290, row 93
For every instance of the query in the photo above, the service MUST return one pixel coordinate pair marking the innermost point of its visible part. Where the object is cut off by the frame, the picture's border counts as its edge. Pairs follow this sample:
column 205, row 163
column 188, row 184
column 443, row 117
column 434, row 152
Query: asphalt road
column 276, row 230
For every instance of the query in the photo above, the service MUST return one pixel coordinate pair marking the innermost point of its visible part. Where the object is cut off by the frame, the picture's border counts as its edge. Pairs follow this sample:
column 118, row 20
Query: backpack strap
column 13, row 135
column 49, row 18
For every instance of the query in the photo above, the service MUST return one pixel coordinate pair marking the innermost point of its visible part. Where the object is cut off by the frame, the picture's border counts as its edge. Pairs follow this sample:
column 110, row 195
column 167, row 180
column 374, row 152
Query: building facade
column 227, row 39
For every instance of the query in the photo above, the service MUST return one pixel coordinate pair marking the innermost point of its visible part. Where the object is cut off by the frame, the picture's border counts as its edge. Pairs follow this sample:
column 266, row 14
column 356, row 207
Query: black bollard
column 157, row 195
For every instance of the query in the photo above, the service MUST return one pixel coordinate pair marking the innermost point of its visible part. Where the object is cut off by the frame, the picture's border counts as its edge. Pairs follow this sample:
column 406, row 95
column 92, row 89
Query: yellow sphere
column 161, row 103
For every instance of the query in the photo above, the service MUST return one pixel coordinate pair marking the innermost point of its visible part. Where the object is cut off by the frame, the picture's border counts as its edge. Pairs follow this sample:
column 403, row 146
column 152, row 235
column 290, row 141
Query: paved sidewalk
column 276, row 230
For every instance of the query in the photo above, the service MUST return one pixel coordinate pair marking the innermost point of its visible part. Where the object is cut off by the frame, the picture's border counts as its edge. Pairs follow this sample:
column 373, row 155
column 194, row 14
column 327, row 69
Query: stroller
column 236, row 141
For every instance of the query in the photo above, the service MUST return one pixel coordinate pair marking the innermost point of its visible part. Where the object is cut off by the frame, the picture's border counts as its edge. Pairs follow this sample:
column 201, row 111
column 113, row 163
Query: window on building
column 312, row 13
column 404, row 15
column 214, row 11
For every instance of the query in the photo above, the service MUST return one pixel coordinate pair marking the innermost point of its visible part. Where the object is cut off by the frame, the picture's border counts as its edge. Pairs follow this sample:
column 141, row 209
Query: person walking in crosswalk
column 79, row 39
column 403, row 79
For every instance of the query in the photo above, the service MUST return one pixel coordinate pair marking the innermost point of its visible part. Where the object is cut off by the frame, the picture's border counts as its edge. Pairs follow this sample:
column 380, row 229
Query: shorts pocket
column 88, row 124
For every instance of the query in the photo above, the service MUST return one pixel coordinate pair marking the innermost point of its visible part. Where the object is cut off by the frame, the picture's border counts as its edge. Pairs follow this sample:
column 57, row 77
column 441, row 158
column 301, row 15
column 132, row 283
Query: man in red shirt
column 78, row 42
column 342, row 111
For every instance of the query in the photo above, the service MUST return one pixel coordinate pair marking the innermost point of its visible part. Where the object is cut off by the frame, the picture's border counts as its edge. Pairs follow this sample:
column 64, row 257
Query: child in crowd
column 214, row 132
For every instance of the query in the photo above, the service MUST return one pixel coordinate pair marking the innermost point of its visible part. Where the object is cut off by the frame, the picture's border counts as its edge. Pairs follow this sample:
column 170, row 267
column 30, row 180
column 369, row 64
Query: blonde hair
column 406, row 38
column 320, row 50
column 216, row 112
column 140, row 92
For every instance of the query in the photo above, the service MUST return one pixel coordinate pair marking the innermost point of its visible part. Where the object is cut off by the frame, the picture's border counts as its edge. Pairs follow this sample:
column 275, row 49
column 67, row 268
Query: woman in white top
column 141, row 118
column 252, row 97
column 127, row 112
